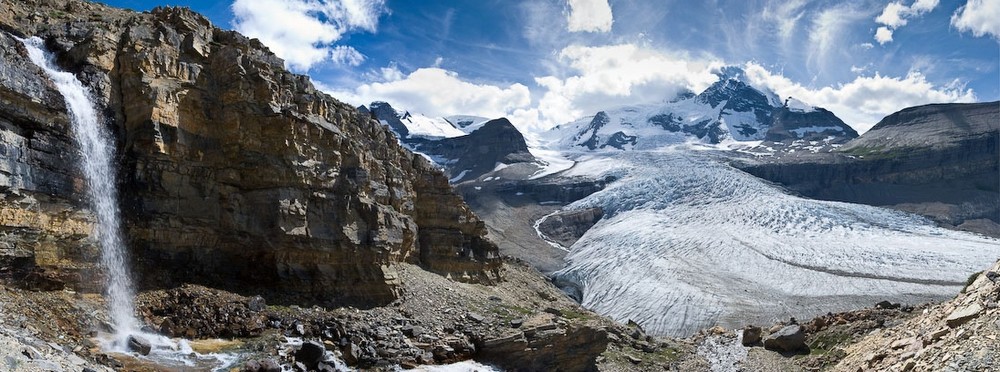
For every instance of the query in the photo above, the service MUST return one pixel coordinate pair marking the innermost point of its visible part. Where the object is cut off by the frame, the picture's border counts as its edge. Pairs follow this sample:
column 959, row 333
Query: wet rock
column 310, row 354
column 788, row 339
column 962, row 315
column 751, row 335
column 139, row 344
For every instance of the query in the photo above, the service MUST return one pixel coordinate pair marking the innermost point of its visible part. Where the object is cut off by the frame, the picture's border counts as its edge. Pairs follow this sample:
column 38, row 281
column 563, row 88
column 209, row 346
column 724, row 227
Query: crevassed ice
column 689, row 242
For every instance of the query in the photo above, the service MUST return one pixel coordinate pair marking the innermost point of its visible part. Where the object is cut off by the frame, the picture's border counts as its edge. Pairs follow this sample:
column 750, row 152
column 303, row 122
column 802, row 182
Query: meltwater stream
column 96, row 162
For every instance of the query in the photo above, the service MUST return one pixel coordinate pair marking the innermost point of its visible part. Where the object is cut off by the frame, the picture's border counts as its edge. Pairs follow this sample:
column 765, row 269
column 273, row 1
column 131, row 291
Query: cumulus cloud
column 437, row 92
column 978, row 17
column 303, row 32
column 864, row 101
column 608, row 76
column 589, row 16
column 896, row 15
column 883, row 35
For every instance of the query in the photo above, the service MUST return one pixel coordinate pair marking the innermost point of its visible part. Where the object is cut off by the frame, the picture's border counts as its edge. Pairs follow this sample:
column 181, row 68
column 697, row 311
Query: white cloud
column 589, row 16
column 883, row 35
column 613, row 75
column 895, row 15
column 302, row 32
column 980, row 17
column 785, row 16
column 438, row 92
column 864, row 101
column 827, row 34
column 346, row 55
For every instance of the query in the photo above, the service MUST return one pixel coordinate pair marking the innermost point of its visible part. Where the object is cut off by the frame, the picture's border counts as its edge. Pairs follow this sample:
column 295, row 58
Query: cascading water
column 96, row 161
column 96, row 156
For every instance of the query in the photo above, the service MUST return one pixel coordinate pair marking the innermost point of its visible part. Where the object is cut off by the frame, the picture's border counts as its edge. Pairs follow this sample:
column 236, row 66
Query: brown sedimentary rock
column 234, row 172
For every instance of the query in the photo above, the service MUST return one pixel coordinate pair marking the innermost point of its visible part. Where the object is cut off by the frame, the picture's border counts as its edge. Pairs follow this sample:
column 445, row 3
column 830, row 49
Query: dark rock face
column 465, row 157
column 738, row 97
column 594, row 140
column 46, row 240
column 383, row 111
column 619, row 140
column 234, row 171
column 479, row 152
column 559, row 190
column 789, row 125
column 568, row 226
column 789, row 339
column 940, row 161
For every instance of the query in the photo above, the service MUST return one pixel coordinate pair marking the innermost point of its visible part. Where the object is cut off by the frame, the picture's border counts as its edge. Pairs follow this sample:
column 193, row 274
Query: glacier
column 688, row 242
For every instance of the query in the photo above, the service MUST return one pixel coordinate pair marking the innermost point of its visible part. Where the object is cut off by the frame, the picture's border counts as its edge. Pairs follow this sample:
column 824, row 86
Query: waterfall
column 96, row 162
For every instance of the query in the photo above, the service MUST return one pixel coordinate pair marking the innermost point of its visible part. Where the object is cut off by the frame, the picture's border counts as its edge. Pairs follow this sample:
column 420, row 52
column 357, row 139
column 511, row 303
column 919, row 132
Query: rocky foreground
column 523, row 324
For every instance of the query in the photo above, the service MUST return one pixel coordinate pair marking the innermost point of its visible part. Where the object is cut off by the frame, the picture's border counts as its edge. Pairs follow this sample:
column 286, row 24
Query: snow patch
column 801, row 132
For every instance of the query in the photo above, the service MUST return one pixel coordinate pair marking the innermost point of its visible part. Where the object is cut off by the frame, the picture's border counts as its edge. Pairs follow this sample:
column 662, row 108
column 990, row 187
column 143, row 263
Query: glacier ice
column 689, row 242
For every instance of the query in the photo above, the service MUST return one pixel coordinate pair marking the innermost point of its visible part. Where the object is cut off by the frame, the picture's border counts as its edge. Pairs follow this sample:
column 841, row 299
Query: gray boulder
column 789, row 339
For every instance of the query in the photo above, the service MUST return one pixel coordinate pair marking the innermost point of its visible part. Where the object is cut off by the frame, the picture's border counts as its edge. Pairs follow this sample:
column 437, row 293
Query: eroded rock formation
column 234, row 172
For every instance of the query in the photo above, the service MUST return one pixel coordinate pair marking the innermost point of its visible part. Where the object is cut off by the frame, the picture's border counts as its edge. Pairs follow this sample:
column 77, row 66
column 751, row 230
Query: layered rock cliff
column 234, row 172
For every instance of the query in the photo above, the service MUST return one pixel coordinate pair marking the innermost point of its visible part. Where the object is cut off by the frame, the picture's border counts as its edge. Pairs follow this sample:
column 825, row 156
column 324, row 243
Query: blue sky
column 544, row 62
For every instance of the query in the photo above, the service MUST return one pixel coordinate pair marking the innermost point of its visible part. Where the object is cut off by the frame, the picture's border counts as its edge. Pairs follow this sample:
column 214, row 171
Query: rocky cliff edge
column 233, row 171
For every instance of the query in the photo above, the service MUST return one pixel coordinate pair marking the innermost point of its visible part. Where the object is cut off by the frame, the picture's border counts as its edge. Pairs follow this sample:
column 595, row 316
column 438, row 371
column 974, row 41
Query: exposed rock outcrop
column 44, row 230
column 566, row 227
column 496, row 144
column 958, row 335
column 234, row 172
column 484, row 148
column 941, row 161
column 816, row 125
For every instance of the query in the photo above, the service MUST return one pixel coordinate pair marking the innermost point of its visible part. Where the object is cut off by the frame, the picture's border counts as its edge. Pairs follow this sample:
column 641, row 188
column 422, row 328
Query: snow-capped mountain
column 730, row 109
column 464, row 146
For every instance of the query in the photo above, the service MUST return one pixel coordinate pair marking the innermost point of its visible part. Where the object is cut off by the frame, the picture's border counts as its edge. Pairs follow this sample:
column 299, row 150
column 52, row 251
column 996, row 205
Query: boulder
column 788, row 339
column 962, row 315
column 139, row 344
column 310, row 354
column 751, row 335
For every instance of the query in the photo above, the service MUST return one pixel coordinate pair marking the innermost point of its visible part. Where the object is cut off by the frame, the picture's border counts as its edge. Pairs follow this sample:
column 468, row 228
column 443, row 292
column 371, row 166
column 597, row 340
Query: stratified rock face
column 566, row 227
column 240, row 174
column 44, row 232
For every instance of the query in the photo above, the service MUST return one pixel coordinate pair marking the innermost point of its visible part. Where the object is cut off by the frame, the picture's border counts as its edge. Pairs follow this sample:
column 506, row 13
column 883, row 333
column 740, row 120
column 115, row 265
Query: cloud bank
column 303, row 32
